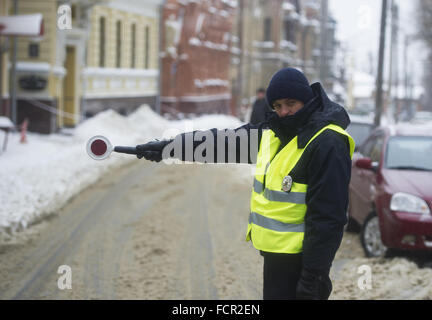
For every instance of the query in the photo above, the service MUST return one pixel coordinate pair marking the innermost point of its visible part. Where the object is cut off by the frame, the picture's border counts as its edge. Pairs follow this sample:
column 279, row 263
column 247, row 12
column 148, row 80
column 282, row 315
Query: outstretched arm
column 238, row 145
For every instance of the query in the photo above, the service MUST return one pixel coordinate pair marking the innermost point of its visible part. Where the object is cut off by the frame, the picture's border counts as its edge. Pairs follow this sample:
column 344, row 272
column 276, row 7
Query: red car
column 390, row 194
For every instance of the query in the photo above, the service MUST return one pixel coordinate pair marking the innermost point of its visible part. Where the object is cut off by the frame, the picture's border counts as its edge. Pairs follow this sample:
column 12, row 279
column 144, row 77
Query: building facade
column 268, row 36
column 179, row 56
column 195, row 55
column 122, row 66
column 94, row 55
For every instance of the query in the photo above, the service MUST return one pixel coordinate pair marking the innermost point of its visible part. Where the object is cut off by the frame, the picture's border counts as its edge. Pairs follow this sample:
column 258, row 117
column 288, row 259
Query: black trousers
column 281, row 274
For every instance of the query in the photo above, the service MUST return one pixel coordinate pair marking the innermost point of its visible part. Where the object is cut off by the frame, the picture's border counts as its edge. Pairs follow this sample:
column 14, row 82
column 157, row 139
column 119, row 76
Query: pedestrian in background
column 260, row 108
column 300, row 191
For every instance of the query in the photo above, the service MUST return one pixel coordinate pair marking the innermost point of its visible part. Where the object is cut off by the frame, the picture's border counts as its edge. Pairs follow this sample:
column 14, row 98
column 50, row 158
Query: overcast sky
column 358, row 24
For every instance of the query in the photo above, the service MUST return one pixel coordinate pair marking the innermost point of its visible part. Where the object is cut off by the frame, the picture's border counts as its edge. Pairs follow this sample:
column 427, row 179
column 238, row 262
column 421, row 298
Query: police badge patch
column 287, row 183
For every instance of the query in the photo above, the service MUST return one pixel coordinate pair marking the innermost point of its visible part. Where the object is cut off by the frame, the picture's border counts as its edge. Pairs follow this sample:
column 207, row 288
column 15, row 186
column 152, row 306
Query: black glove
column 151, row 150
column 313, row 286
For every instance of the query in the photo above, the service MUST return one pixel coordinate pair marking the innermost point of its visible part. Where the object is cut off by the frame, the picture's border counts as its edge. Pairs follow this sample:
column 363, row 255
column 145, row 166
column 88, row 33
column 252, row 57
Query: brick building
column 195, row 55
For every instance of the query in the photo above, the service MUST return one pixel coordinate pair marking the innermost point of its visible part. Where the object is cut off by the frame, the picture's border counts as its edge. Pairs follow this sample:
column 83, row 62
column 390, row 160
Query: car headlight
column 408, row 203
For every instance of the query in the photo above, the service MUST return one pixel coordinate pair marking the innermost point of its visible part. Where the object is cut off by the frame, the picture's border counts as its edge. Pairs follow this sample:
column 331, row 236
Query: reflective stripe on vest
column 276, row 221
column 275, row 225
column 272, row 195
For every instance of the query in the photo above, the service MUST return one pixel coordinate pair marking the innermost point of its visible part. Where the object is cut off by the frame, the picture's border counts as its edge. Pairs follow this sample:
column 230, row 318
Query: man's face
column 287, row 107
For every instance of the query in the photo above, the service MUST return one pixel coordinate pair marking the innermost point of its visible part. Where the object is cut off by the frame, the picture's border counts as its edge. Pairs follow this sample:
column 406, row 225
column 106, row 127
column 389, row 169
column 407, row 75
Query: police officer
column 300, row 191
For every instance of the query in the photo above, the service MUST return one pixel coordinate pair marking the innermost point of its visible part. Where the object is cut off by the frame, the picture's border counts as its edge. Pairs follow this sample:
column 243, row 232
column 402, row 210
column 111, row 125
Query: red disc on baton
column 99, row 148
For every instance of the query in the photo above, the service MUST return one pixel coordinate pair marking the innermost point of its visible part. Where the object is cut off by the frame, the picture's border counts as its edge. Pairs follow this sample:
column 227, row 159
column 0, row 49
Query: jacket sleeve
column 238, row 145
column 329, row 173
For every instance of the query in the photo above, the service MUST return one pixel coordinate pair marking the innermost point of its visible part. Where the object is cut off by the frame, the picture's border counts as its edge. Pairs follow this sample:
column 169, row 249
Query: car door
column 363, row 181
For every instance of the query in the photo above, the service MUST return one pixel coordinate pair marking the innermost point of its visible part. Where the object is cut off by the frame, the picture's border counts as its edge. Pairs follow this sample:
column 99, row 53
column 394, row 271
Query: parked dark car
column 390, row 194
column 360, row 128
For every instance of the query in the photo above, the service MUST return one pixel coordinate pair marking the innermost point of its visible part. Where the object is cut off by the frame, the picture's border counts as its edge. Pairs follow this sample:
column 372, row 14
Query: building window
column 146, row 47
column 289, row 31
column 33, row 50
column 133, row 45
column 267, row 29
column 102, row 42
column 118, row 44
column 73, row 12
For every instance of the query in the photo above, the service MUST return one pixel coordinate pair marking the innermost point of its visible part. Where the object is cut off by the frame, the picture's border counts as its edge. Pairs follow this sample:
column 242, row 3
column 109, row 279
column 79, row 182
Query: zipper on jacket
column 268, row 164
column 265, row 175
column 266, row 168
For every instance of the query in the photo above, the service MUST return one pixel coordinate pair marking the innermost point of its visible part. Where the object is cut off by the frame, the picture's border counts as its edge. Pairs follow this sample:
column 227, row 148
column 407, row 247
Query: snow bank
column 396, row 278
column 38, row 178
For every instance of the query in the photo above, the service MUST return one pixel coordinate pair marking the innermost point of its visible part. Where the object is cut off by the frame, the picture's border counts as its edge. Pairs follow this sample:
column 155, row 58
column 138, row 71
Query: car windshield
column 359, row 132
column 409, row 153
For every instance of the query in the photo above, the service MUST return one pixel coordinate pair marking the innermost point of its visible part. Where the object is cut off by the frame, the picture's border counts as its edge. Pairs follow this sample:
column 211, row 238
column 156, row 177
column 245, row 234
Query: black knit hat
column 289, row 83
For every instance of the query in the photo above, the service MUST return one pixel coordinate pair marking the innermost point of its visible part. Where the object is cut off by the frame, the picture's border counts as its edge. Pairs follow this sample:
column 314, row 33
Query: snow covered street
column 137, row 234
column 39, row 177
column 133, row 229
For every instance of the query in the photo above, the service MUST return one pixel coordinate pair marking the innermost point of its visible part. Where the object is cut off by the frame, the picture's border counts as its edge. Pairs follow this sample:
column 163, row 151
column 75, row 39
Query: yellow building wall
column 154, row 40
column 127, row 19
column 70, row 89
column 58, row 87
column 127, row 83
column 47, row 47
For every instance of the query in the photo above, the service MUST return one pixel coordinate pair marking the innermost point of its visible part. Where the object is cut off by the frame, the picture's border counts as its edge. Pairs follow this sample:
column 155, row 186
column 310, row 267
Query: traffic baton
column 100, row 148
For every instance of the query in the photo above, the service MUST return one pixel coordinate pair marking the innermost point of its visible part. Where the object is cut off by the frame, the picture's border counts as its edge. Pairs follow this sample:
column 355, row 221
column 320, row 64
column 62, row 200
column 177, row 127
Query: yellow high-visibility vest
column 276, row 220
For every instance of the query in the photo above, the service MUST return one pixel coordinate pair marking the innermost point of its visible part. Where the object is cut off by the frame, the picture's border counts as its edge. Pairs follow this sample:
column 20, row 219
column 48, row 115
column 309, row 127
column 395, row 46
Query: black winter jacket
column 325, row 167
column 260, row 111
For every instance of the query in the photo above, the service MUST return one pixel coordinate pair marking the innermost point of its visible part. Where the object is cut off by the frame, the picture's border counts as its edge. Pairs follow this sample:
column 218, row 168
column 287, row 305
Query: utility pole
column 406, row 43
column 161, row 39
column 3, row 49
column 408, row 103
column 393, row 61
column 323, row 58
column 396, row 60
column 379, row 81
column 13, row 72
column 304, row 32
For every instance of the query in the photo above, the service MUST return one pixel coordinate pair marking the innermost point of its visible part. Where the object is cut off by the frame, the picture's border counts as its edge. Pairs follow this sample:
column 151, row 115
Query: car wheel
column 371, row 237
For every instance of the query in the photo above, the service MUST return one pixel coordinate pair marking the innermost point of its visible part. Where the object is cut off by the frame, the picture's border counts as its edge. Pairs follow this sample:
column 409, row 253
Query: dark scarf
column 288, row 127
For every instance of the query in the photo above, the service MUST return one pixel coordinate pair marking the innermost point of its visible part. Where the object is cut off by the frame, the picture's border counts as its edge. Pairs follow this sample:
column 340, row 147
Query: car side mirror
column 366, row 163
